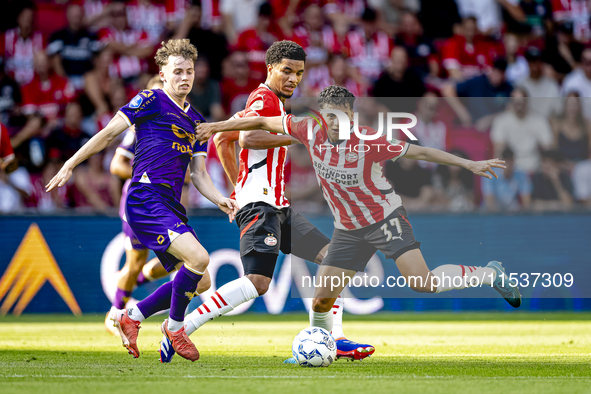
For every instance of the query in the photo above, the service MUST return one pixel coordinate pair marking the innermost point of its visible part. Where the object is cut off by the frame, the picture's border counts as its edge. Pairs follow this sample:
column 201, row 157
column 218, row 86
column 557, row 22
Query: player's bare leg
column 151, row 271
column 455, row 277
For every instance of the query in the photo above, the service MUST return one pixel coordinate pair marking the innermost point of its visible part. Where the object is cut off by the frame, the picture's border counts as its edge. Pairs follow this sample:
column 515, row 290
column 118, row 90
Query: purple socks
column 157, row 301
column 121, row 298
column 141, row 279
column 183, row 290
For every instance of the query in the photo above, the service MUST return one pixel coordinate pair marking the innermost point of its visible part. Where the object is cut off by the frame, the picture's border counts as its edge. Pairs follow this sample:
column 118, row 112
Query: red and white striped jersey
column 370, row 55
column 350, row 173
column 261, row 172
column 150, row 18
column 18, row 53
column 125, row 66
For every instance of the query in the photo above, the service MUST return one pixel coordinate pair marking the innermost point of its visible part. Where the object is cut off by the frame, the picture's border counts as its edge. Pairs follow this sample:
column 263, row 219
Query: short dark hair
column 336, row 95
column 284, row 50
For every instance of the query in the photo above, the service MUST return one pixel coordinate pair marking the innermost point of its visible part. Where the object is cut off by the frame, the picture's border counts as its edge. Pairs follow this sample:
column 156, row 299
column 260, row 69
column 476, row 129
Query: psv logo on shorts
column 351, row 157
column 271, row 241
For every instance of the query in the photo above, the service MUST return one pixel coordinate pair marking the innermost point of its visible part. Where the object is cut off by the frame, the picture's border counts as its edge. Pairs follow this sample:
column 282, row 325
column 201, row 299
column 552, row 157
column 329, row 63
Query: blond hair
column 155, row 83
column 181, row 47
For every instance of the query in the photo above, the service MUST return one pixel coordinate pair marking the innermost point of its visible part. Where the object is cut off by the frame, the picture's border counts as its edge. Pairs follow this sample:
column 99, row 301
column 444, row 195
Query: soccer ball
column 314, row 347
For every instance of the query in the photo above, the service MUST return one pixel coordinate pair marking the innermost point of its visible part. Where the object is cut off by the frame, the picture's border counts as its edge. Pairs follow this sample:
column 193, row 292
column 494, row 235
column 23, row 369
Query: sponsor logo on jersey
column 351, row 157
column 136, row 102
column 32, row 265
column 183, row 134
column 257, row 105
column 271, row 241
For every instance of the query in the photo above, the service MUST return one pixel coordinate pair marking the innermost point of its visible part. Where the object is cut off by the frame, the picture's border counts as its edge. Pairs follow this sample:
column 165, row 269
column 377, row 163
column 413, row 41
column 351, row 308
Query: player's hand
column 204, row 131
column 230, row 207
column 484, row 167
column 60, row 179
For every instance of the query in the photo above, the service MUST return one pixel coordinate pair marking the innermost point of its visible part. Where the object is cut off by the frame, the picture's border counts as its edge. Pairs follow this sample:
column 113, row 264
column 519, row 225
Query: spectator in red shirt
column 255, row 42
column 337, row 72
column 237, row 87
column 19, row 45
column 130, row 47
column 469, row 54
column 147, row 16
column 318, row 39
column 43, row 100
column 368, row 49
column 344, row 14
column 96, row 13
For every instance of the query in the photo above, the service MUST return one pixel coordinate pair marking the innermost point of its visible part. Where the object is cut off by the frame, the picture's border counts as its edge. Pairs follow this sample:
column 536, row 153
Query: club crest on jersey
column 265, row 191
column 257, row 105
column 351, row 157
column 271, row 241
column 136, row 102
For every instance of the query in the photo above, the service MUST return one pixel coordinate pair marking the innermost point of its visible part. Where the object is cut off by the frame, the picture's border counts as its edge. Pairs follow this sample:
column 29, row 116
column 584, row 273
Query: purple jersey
column 165, row 138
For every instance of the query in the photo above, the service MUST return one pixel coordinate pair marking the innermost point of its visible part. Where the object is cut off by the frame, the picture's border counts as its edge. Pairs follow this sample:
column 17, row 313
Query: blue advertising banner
column 68, row 264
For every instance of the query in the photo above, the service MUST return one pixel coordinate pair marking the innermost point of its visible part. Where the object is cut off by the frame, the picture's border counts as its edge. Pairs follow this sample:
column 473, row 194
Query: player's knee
column 261, row 283
column 322, row 305
column 198, row 260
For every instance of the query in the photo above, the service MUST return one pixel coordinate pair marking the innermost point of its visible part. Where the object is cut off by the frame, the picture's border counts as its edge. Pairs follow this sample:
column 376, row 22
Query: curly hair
column 336, row 95
column 284, row 50
column 182, row 48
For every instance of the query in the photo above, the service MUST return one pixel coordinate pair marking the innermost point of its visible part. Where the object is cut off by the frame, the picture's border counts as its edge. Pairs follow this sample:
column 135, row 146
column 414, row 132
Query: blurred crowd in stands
column 493, row 78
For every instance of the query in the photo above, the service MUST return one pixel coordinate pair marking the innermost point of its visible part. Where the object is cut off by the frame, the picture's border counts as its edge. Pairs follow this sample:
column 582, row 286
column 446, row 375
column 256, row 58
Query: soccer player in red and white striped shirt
column 267, row 222
column 368, row 214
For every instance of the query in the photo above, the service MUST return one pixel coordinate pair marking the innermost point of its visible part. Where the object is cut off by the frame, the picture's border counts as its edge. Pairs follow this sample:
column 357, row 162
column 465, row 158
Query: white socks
column 228, row 297
column 456, row 277
column 331, row 321
column 321, row 319
column 135, row 314
column 174, row 325
column 337, row 318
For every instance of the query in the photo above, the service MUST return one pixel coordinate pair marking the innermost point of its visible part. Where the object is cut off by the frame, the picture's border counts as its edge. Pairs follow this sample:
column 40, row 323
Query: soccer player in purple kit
column 164, row 124
column 136, row 271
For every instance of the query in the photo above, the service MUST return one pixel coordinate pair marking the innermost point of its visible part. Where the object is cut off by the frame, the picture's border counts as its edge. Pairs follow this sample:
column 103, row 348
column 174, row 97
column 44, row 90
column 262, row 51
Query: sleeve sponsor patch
column 136, row 102
column 257, row 105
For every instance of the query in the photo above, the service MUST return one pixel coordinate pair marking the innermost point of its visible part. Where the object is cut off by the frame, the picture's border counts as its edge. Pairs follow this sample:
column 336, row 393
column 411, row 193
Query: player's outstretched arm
column 482, row 168
column 273, row 124
column 96, row 144
column 202, row 181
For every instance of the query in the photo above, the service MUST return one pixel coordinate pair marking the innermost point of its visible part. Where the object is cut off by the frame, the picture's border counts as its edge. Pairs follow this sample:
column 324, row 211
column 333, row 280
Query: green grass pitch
column 419, row 353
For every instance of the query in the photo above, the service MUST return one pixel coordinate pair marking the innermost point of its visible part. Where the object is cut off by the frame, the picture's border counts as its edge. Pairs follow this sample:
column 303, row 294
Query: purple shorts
column 157, row 219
